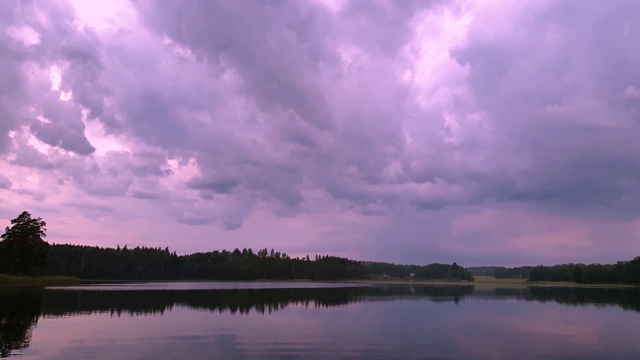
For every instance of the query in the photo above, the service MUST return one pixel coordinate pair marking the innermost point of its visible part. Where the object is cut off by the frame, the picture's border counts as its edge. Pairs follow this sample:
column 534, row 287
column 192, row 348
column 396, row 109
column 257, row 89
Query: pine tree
column 22, row 248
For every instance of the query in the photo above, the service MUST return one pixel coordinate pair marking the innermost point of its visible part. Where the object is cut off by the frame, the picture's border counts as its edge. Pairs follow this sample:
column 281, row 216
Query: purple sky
column 407, row 131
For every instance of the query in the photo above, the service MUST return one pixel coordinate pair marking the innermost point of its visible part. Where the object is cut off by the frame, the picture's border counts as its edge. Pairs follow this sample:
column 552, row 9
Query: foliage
column 90, row 262
column 417, row 272
column 521, row 272
column 622, row 272
column 143, row 263
column 22, row 249
column 501, row 272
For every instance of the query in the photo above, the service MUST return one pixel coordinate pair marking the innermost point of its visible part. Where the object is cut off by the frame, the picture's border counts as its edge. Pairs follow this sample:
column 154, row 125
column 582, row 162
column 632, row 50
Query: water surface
column 273, row 320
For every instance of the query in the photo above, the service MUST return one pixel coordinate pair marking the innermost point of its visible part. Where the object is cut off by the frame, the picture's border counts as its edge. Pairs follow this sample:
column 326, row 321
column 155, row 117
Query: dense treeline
column 521, row 272
column 142, row 263
column 24, row 252
column 622, row 272
column 425, row 272
column 501, row 272
column 90, row 262
column 482, row 270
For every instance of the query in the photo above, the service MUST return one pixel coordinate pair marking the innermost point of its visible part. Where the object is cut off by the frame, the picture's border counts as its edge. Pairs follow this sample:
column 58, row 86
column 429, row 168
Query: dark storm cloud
column 12, row 79
column 108, row 178
column 28, row 156
column 42, row 34
column 63, row 137
column 63, row 127
column 154, row 119
column 282, row 53
column 142, row 164
column 253, row 38
column 214, row 112
column 288, row 58
column 563, row 110
column 218, row 187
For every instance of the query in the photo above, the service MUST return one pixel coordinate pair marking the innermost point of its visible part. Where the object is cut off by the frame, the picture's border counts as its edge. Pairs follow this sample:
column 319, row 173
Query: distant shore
column 490, row 281
column 410, row 282
column 13, row 280
column 525, row 282
column 480, row 282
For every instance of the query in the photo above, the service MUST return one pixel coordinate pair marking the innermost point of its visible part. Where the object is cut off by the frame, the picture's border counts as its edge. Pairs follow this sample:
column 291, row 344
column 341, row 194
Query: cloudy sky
column 482, row 132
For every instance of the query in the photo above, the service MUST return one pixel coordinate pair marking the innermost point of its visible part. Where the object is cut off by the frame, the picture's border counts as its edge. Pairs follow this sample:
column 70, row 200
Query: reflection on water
column 19, row 312
column 242, row 301
column 626, row 298
column 310, row 320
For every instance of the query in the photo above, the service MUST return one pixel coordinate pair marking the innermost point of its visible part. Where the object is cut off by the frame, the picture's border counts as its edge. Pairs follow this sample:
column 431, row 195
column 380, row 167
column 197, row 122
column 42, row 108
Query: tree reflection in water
column 20, row 309
column 19, row 313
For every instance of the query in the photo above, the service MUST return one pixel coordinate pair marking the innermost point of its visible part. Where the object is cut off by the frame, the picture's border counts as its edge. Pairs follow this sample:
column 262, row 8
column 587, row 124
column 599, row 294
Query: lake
column 277, row 320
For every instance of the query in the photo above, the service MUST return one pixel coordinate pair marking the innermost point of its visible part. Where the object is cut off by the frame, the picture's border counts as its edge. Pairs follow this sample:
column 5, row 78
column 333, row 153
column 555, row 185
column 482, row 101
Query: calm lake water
column 192, row 320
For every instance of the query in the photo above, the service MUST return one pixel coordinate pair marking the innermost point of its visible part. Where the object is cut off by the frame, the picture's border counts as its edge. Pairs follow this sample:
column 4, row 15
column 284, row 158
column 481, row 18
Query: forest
column 622, row 272
column 144, row 263
column 23, row 251
column 424, row 272
column 501, row 272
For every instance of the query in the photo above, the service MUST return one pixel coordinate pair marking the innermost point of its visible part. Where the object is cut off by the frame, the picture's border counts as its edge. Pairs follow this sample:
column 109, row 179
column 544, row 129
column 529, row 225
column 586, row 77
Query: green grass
column 13, row 280
column 491, row 283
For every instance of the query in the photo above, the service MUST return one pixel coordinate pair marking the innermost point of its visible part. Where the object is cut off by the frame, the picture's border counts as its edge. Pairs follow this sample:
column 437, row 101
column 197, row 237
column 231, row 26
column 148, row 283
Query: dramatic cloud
column 410, row 131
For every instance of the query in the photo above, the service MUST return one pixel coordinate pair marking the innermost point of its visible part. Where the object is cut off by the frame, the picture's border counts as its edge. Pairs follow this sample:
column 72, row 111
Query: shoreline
column 482, row 282
column 497, row 283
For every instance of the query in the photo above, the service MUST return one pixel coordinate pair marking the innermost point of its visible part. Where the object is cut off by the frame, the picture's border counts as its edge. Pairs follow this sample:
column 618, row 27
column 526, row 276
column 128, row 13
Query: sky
column 482, row 132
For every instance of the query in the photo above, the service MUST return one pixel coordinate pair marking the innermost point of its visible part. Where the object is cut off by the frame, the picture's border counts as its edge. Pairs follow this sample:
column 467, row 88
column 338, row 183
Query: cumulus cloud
column 215, row 113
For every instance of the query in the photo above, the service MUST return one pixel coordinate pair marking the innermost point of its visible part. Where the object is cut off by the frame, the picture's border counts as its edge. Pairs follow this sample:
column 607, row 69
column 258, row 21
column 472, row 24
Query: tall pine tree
column 22, row 248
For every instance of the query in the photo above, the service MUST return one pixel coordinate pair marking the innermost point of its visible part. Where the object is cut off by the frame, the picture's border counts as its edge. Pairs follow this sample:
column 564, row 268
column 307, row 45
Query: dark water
column 311, row 320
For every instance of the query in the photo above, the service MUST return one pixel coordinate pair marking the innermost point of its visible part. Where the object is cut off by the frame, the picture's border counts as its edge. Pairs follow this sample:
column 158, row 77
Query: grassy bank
column 12, row 280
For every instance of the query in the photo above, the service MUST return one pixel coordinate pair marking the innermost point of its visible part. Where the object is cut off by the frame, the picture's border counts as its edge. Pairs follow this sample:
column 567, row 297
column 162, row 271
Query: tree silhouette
column 19, row 313
column 22, row 249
